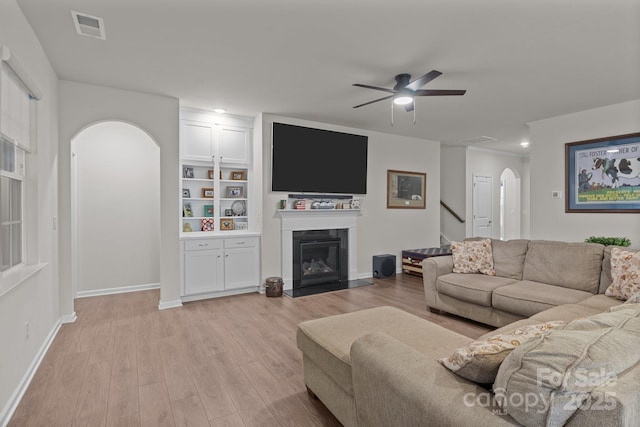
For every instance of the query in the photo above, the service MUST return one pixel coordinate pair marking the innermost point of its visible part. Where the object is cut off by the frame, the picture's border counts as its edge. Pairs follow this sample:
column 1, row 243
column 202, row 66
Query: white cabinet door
column 203, row 271
column 240, row 267
column 233, row 144
column 197, row 141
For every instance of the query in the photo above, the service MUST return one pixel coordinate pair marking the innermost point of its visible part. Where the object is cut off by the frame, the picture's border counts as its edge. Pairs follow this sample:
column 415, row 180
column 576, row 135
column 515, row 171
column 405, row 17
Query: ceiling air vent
column 87, row 25
column 477, row 139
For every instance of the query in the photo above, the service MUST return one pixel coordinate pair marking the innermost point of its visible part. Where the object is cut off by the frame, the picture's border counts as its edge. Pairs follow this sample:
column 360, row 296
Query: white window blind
column 14, row 103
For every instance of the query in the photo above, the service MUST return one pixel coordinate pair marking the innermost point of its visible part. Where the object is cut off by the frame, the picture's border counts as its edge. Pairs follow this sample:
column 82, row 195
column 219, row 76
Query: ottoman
column 326, row 344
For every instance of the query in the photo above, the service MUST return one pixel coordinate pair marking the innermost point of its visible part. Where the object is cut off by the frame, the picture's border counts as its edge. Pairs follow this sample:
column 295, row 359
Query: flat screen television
column 311, row 160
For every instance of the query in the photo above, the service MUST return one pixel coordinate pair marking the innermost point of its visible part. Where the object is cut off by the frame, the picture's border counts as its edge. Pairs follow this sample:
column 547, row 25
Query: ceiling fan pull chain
column 391, row 113
column 414, row 112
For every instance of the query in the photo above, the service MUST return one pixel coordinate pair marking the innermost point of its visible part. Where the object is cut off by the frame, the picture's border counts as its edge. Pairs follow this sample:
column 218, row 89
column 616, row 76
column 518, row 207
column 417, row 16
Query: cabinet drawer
column 240, row 242
column 202, row 244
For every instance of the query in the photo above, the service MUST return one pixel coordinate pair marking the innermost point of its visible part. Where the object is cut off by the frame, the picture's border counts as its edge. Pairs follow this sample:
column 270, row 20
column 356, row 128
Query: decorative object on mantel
column 355, row 204
column 603, row 175
column 406, row 190
column 300, row 204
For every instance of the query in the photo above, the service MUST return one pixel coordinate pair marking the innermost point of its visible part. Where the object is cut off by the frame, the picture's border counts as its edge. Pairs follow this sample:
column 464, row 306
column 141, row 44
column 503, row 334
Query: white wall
column 35, row 300
column 453, row 166
column 380, row 230
column 118, row 205
column 548, row 139
column 82, row 105
column 489, row 163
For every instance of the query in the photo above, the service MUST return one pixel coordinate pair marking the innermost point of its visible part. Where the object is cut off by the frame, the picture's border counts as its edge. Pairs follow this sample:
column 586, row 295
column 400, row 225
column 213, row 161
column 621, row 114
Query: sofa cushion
column 625, row 274
column 528, row 298
column 570, row 265
column 600, row 302
column 473, row 257
column 558, row 371
column 566, row 312
column 479, row 360
column 475, row 288
column 508, row 257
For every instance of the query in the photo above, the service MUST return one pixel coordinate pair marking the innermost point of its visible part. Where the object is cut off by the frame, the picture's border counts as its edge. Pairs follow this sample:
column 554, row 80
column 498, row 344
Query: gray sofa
column 378, row 367
column 531, row 276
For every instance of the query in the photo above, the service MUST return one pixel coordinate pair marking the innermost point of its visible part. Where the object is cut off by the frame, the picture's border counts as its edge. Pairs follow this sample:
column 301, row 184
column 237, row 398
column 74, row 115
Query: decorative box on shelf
column 412, row 259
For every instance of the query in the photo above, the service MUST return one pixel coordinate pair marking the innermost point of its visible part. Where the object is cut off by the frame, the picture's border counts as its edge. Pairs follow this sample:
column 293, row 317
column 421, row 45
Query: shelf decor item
column 603, row 175
column 186, row 210
column 226, row 224
column 238, row 175
column 228, row 212
column 187, row 228
column 207, row 224
column 240, row 226
column 234, row 192
column 208, row 210
column 187, row 172
column 186, row 193
column 405, row 190
column 238, row 208
column 207, row 193
column 210, row 173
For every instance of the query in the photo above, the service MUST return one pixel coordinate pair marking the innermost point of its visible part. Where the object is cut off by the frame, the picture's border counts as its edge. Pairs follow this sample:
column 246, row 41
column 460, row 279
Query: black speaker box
column 384, row 266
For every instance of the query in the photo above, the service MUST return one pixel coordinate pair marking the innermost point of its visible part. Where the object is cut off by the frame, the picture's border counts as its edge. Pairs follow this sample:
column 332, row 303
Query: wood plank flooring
column 229, row 361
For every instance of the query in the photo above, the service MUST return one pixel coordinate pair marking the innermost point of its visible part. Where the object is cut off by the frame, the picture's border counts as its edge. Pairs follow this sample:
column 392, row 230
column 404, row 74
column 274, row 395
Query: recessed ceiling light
column 219, row 110
column 524, row 144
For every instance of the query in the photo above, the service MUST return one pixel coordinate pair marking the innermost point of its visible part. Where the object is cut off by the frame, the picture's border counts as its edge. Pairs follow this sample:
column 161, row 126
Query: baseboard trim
column 18, row 394
column 118, row 290
column 169, row 304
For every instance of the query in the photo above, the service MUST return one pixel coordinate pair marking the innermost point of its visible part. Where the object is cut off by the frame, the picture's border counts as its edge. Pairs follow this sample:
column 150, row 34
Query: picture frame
column 187, row 172
column 226, row 224
column 207, row 193
column 603, row 175
column 240, row 226
column 207, row 224
column 208, row 210
column 234, row 192
column 228, row 212
column 186, row 193
column 186, row 210
column 238, row 175
column 210, row 173
column 406, row 190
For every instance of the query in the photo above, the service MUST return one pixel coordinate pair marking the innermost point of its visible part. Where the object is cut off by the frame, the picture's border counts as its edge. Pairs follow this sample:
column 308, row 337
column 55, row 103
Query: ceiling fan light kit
column 404, row 91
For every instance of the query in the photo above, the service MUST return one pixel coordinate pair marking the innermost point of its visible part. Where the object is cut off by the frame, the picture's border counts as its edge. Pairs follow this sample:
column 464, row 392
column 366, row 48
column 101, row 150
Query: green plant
column 609, row 241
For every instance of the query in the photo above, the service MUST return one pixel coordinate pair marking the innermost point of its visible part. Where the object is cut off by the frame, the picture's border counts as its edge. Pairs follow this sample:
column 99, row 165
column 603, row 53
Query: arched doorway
column 509, row 205
column 115, row 198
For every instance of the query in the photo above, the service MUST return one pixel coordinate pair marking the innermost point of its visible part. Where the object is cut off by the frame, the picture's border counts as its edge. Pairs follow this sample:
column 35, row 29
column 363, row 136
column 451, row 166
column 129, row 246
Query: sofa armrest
column 432, row 268
column 396, row 385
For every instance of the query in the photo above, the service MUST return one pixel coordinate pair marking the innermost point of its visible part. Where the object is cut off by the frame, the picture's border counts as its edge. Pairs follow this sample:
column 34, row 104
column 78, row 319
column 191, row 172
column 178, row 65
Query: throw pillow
column 633, row 299
column 479, row 361
column 625, row 274
column 473, row 256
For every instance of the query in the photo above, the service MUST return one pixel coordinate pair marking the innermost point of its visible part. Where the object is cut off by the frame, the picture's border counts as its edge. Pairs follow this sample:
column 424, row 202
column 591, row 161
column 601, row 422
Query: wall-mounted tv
column 311, row 160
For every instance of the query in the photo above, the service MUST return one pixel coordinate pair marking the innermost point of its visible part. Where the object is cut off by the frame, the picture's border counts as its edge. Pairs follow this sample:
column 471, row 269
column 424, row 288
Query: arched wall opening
column 115, row 209
column 509, row 205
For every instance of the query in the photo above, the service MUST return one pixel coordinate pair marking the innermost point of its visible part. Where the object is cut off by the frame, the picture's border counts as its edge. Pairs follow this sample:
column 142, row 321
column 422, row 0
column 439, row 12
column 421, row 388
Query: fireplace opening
column 320, row 260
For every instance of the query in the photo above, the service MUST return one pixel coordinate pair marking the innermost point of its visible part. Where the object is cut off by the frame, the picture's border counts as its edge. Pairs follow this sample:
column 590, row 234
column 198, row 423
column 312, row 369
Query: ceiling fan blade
column 409, row 107
column 419, row 82
column 375, row 88
column 438, row 92
column 375, row 100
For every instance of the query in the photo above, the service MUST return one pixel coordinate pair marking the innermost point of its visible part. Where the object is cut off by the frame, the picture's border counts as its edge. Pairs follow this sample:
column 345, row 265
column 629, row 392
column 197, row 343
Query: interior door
column 482, row 206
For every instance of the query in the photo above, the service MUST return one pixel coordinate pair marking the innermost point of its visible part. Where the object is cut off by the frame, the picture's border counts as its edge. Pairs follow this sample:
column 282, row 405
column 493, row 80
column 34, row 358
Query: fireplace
column 320, row 260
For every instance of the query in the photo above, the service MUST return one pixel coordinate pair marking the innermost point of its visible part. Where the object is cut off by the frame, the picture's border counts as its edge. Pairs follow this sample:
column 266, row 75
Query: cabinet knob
column 226, row 256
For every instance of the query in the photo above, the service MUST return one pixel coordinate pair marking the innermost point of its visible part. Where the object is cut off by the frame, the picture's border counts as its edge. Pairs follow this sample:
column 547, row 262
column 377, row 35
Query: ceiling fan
column 404, row 92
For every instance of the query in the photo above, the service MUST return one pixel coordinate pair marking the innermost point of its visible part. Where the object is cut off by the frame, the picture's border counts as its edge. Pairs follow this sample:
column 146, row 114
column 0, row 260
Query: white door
column 482, row 206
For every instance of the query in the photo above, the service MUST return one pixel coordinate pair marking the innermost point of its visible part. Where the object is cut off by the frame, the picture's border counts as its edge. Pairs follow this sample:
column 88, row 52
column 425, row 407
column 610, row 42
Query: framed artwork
column 210, row 173
column 186, row 193
column 240, row 226
column 208, row 210
column 186, row 210
column 207, row 224
column 187, row 172
column 238, row 175
column 406, row 190
column 603, row 175
column 228, row 212
column 226, row 224
column 234, row 192
column 207, row 193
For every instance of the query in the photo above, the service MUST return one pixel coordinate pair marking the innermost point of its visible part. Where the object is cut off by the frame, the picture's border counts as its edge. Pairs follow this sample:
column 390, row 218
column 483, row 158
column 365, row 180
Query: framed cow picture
column 603, row 175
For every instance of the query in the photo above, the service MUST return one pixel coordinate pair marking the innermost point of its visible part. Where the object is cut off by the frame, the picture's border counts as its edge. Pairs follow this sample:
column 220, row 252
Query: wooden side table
column 412, row 259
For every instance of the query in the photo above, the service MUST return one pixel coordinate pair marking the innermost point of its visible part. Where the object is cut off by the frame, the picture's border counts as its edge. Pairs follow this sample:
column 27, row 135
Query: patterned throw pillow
column 625, row 274
column 480, row 360
column 473, row 256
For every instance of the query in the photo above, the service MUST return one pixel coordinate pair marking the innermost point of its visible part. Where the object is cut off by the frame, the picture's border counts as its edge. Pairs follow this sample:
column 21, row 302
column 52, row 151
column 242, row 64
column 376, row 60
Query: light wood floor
column 222, row 362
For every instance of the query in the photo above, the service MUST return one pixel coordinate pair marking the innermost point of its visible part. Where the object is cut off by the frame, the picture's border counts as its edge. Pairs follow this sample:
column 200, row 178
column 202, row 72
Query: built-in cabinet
column 219, row 243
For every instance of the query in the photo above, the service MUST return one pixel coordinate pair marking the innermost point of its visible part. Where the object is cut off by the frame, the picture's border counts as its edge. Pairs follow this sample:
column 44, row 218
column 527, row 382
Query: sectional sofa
column 384, row 367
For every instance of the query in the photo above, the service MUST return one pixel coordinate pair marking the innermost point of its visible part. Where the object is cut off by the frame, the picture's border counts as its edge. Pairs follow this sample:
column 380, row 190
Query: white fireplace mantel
column 316, row 219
